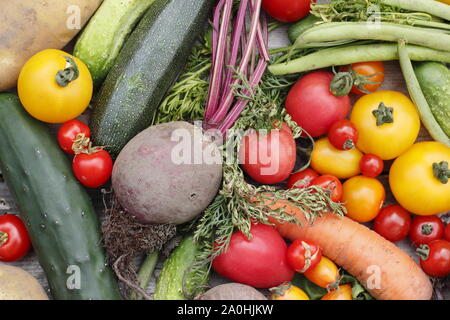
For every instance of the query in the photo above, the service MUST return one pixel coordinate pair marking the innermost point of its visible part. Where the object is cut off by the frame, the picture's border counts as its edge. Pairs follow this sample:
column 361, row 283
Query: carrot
column 386, row 271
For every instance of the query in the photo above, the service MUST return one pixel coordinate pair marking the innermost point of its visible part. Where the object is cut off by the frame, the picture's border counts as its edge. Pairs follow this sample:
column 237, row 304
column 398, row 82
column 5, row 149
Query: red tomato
column 366, row 72
column 14, row 239
column 371, row 165
column 343, row 135
column 287, row 10
column 302, row 179
column 435, row 258
column 69, row 131
column 284, row 126
column 93, row 169
column 425, row 229
column 311, row 104
column 447, row 232
column 259, row 262
column 393, row 223
column 269, row 158
column 303, row 255
column 331, row 183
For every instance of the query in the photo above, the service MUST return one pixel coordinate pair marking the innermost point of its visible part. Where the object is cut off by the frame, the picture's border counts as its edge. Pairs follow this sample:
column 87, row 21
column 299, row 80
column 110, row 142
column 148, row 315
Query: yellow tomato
column 388, row 123
column 342, row 164
column 324, row 274
column 343, row 292
column 363, row 198
column 287, row 291
column 445, row 1
column 51, row 98
column 416, row 185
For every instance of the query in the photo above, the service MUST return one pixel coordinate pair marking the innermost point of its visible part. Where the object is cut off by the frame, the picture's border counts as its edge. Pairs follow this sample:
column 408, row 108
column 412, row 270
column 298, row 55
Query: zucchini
column 169, row 285
column 434, row 79
column 147, row 66
column 56, row 210
column 301, row 26
column 104, row 36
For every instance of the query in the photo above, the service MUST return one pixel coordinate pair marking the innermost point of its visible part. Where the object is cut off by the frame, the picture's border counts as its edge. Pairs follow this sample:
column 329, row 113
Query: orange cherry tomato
column 343, row 292
column 287, row 291
column 325, row 274
column 371, row 71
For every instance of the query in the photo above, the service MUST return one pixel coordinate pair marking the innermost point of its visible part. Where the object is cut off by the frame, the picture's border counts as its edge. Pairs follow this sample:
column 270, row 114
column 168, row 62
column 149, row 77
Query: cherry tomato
column 393, row 223
column 14, row 239
column 372, row 71
column 324, row 274
column 363, row 197
column 287, row 10
column 343, row 292
column 302, row 179
column 268, row 158
column 331, row 183
column 435, row 258
column 287, row 291
column 69, row 131
column 371, row 165
column 258, row 262
column 447, row 232
column 313, row 107
column 425, row 229
column 343, row 135
column 93, row 169
column 303, row 255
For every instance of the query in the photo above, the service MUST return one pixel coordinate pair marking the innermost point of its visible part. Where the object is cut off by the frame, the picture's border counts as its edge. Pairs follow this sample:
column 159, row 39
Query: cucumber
column 301, row 26
column 434, row 79
column 169, row 285
column 56, row 210
column 105, row 34
column 146, row 67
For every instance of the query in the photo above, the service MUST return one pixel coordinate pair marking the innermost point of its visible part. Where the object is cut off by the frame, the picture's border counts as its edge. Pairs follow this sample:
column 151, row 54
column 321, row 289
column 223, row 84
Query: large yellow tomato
column 419, row 178
column 388, row 123
column 54, row 86
column 342, row 164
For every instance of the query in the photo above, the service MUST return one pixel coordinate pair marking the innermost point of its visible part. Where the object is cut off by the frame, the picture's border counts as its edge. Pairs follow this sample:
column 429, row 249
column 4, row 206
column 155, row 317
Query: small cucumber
column 100, row 43
column 301, row 26
column 169, row 285
column 434, row 79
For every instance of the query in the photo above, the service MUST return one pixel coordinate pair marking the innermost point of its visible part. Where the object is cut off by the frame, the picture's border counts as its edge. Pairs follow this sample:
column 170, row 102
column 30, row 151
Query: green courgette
column 105, row 34
column 57, row 211
column 146, row 67
column 301, row 26
column 177, row 274
column 434, row 79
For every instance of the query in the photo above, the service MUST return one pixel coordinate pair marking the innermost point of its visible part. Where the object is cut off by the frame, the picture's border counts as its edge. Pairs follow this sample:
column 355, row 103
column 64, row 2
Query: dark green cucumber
column 301, row 26
column 57, row 211
column 434, row 79
column 169, row 285
column 146, row 67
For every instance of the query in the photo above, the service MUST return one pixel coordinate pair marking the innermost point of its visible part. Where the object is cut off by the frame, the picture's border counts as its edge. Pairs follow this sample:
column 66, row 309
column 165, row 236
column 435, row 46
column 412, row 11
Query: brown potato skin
column 17, row 284
column 149, row 185
column 29, row 26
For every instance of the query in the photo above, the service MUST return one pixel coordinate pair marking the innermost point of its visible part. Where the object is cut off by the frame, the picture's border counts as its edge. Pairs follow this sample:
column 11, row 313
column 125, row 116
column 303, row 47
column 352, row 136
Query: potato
column 17, row 284
column 232, row 291
column 151, row 181
column 29, row 26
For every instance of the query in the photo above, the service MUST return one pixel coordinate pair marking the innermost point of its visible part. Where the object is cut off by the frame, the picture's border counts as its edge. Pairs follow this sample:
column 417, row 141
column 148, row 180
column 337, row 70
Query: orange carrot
column 386, row 271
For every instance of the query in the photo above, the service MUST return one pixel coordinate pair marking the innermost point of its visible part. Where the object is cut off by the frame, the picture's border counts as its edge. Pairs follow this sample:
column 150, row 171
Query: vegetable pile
column 293, row 172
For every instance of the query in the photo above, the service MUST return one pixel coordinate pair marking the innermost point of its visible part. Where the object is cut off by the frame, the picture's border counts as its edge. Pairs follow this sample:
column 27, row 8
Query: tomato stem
column 68, row 74
column 3, row 238
column 423, row 251
column 441, row 171
column 427, row 229
column 383, row 114
column 281, row 289
column 344, row 81
column 82, row 144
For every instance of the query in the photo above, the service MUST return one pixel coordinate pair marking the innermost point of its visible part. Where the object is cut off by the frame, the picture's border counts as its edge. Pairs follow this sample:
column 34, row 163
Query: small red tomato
column 93, row 169
column 302, row 179
column 287, row 10
column 393, row 223
column 425, row 229
column 331, row 183
column 343, row 135
column 14, row 239
column 435, row 258
column 69, row 131
column 447, row 232
column 303, row 255
column 371, row 165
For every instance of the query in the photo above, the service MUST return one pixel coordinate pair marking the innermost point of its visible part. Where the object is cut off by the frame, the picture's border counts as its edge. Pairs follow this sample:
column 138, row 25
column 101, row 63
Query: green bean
column 351, row 54
column 427, row 117
column 429, row 6
column 375, row 31
column 145, row 273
